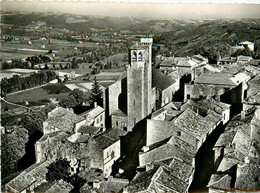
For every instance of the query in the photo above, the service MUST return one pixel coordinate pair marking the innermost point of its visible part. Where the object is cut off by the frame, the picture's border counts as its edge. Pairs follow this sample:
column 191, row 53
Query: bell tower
column 139, row 81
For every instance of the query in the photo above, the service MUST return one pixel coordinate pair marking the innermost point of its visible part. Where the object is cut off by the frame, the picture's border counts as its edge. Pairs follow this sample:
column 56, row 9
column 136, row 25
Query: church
column 140, row 91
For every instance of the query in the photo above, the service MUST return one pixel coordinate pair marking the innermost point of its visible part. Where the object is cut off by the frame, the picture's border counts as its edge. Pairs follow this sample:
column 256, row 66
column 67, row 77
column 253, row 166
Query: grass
column 39, row 96
column 55, row 89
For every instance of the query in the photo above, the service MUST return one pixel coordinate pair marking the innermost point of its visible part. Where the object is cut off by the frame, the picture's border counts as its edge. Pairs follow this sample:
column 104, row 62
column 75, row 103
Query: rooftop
column 109, row 137
column 119, row 113
column 63, row 119
column 35, row 173
column 161, row 80
column 215, row 79
column 193, row 123
column 247, row 43
column 91, row 130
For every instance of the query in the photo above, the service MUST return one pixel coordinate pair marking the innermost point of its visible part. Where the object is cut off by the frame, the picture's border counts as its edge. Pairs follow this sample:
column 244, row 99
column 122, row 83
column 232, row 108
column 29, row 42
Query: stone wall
column 160, row 130
column 114, row 91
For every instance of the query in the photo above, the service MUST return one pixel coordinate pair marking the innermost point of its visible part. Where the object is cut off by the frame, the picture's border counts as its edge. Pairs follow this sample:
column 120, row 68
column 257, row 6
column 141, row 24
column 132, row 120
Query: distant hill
column 183, row 37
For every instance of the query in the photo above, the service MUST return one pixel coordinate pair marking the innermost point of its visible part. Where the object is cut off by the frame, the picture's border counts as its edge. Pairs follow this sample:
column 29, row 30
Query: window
column 97, row 120
column 134, row 56
column 107, row 154
column 140, row 56
column 112, row 154
column 178, row 133
column 116, row 123
column 101, row 117
column 134, row 102
column 188, row 96
column 72, row 169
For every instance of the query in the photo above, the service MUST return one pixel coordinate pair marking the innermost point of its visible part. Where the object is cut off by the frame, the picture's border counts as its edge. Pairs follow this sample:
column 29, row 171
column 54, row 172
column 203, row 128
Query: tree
column 34, row 121
column 96, row 93
column 12, row 149
column 68, row 102
column 78, row 95
column 60, row 169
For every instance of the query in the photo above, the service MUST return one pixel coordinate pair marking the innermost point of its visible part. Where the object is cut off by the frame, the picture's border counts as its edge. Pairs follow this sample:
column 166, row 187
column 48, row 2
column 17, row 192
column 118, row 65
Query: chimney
column 243, row 115
column 95, row 104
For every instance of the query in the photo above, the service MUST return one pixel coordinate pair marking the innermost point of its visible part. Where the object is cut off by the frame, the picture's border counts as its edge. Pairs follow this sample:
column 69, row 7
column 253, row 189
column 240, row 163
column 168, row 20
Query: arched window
column 134, row 56
column 140, row 56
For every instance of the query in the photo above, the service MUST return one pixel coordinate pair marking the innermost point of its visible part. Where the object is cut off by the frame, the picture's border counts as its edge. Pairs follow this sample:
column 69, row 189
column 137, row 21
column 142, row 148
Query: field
column 40, row 95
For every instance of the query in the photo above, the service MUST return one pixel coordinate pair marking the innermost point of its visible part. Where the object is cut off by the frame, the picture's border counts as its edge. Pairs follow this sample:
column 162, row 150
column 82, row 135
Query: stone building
column 140, row 91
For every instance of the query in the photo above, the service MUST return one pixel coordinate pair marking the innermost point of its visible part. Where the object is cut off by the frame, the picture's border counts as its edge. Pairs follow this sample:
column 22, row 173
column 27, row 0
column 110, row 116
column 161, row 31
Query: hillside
column 183, row 37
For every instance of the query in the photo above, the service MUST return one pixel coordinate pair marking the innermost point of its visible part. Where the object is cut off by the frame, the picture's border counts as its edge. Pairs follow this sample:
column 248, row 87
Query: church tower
column 139, row 82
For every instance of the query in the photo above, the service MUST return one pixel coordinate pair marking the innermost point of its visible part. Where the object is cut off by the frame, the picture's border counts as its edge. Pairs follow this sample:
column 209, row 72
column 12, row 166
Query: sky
column 145, row 8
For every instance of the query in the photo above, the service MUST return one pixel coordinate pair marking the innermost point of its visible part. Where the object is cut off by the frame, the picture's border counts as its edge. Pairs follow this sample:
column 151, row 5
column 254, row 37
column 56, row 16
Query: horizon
column 160, row 10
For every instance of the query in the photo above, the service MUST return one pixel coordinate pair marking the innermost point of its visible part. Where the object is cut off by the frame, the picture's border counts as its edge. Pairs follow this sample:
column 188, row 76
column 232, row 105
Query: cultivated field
column 40, row 95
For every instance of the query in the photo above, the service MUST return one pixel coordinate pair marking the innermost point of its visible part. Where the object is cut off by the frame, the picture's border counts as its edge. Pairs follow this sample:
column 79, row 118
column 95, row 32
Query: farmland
column 38, row 95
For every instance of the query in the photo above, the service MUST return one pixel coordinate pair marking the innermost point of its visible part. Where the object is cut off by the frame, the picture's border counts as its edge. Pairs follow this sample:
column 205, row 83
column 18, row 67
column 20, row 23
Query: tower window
column 140, row 56
column 134, row 102
column 134, row 56
column 178, row 133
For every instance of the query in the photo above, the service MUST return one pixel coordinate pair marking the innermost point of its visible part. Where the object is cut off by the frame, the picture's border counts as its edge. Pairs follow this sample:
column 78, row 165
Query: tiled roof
column 63, row 119
column 206, row 104
column 225, row 139
column 166, row 151
column 55, row 136
column 34, row 174
column 244, row 58
column 93, row 112
column 161, row 80
column 119, row 113
column 193, row 123
column 186, row 62
column 215, row 79
column 56, row 186
column 112, row 185
column 248, row 177
column 223, row 183
column 91, row 130
column 110, row 136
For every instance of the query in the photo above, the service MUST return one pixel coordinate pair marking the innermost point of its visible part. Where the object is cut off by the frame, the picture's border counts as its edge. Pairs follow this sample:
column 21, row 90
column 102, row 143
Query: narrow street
column 204, row 161
column 131, row 145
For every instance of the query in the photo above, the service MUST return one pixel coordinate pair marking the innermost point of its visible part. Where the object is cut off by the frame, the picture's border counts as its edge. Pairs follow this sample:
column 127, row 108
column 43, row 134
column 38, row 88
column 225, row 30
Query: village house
column 28, row 179
column 237, row 156
column 55, row 186
column 227, row 60
column 172, row 175
column 84, row 151
column 248, row 44
column 95, row 117
column 60, row 119
column 216, row 85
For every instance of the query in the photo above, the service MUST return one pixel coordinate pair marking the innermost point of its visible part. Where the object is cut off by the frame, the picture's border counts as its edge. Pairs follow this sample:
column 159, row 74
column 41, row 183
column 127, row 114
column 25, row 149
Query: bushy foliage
column 76, row 97
column 17, row 83
column 60, row 169
column 34, row 121
column 12, row 149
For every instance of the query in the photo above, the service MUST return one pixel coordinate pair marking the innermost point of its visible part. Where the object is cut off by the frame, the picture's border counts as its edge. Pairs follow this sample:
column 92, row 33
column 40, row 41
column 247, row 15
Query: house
column 226, row 60
column 165, row 87
column 109, row 144
column 244, row 59
column 60, row 119
column 95, row 117
column 210, row 109
column 166, row 149
column 172, row 175
column 28, row 179
column 104, row 186
column 248, row 44
column 82, row 150
column 216, row 84
column 55, row 186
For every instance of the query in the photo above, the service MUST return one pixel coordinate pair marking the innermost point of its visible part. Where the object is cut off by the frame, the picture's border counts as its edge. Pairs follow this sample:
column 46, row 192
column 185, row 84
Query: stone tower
column 139, row 82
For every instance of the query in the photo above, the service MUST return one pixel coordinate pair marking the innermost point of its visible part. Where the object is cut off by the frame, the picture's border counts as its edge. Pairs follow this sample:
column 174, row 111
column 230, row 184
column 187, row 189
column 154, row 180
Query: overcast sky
column 171, row 10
